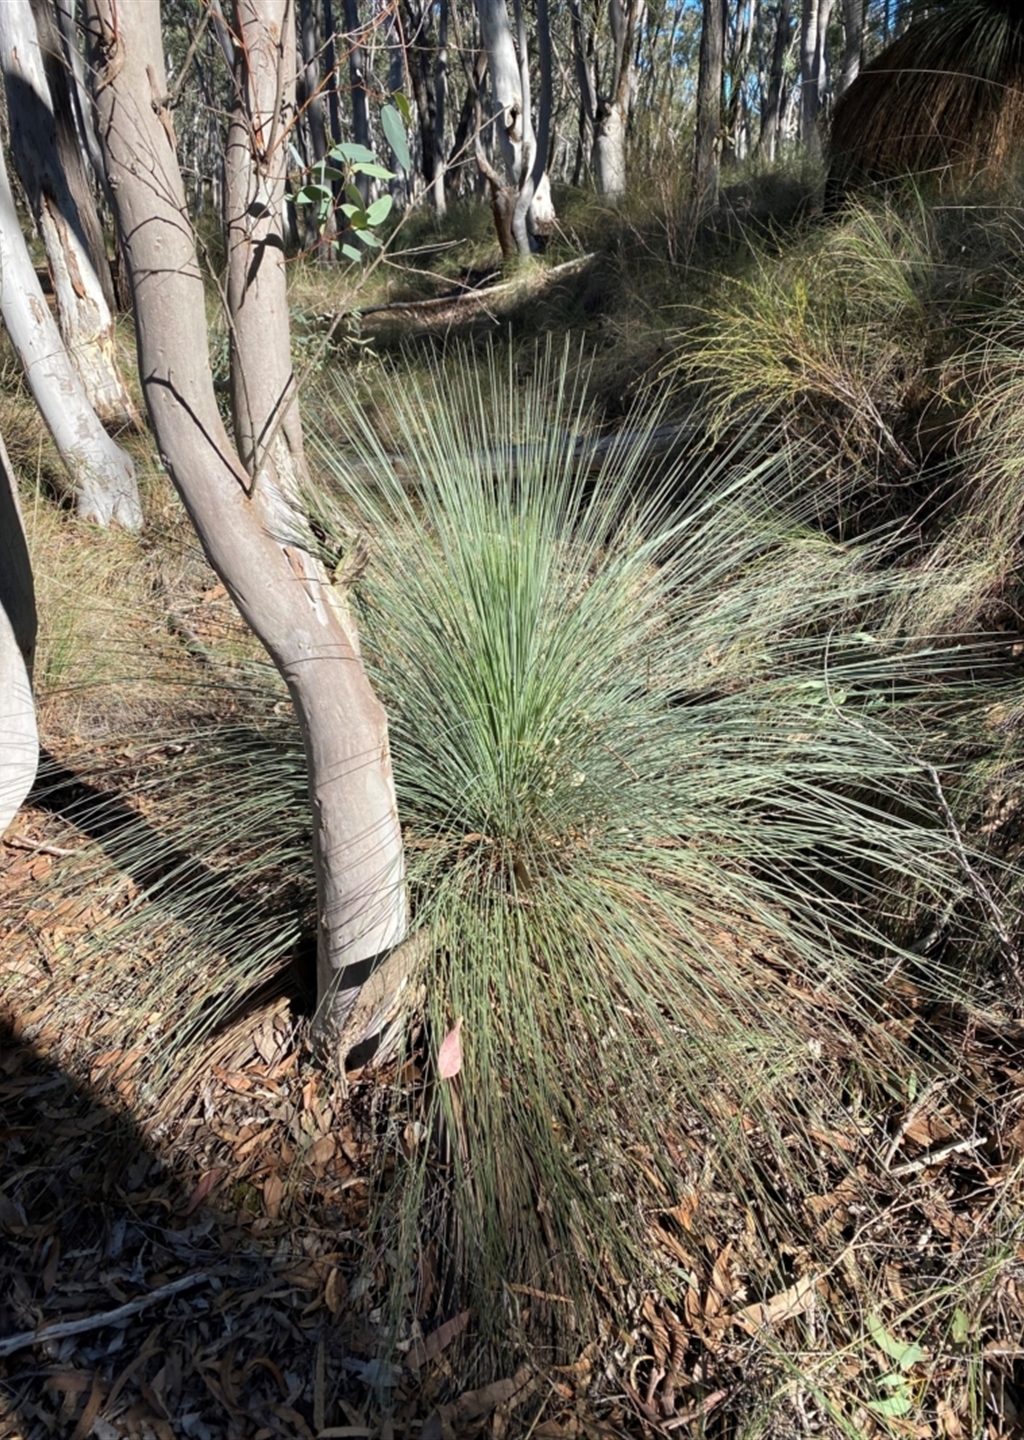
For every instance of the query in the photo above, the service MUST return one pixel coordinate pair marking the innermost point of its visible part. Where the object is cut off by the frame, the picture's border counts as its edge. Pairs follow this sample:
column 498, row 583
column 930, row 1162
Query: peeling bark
column 102, row 474
column 86, row 323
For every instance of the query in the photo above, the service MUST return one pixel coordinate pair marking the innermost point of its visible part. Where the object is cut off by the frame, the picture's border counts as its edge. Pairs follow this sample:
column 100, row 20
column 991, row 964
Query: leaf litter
column 235, row 1216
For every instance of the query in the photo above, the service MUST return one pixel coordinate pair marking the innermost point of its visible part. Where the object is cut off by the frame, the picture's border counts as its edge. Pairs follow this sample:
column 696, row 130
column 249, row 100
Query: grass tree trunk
column 102, row 474
column 86, row 323
column 242, row 507
column 19, row 739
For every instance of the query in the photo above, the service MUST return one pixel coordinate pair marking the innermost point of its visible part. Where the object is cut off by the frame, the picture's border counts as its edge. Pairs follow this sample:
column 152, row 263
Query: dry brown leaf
column 433, row 1344
column 92, row 1408
column 206, row 1184
column 949, row 1421
column 321, row 1152
column 796, row 1300
column 335, row 1291
column 723, row 1285
column 449, row 1056
column 672, row 1245
column 475, row 1404
column 273, row 1190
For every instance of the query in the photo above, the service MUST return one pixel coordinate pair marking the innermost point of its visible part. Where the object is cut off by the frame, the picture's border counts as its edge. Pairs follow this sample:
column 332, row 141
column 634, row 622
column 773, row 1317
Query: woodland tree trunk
column 708, row 141
column 509, row 123
column 357, row 76
column 102, row 474
column 86, row 323
column 244, row 513
column 605, row 111
column 813, row 36
column 853, row 43
column 771, row 111
column 19, row 739
column 73, row 139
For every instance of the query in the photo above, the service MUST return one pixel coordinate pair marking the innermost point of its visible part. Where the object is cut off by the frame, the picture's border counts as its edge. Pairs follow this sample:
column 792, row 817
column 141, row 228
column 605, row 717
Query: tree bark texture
column 102, row 474
column 853, row 43
column 813, row 36
column 86, row 323
column 73, row 150
column 520, row 194
column 242, row 512
column 708, row 142
column 771, row 110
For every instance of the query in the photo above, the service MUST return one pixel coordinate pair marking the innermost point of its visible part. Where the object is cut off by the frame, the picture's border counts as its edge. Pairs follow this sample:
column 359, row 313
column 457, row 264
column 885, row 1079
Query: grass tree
column 242, row 496
column 948, row 94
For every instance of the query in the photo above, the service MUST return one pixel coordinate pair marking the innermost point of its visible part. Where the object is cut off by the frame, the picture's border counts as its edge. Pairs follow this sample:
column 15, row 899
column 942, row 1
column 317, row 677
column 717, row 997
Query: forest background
column 509, row 665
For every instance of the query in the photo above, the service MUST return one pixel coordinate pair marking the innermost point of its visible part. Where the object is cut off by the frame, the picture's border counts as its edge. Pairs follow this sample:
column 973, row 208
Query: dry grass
column 947, row 96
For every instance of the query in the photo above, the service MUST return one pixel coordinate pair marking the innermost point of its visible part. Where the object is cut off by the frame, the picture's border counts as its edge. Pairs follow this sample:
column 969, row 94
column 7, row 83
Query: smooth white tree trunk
column 86, row 323
column 242, row 512
column 102, row 474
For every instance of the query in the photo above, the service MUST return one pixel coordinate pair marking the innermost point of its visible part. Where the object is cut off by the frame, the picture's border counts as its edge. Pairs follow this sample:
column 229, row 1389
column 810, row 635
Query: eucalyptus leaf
column 379, row 210
column 394, row 132
column 893, row 1406
column 352, row 154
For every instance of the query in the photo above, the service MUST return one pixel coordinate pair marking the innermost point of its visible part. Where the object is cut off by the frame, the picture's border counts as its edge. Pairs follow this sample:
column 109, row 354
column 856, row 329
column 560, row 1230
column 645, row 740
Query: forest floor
column 195, row 1259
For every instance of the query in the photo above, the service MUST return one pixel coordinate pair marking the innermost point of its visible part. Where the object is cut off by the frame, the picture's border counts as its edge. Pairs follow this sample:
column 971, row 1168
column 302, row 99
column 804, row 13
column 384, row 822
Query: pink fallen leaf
column 449, row 1057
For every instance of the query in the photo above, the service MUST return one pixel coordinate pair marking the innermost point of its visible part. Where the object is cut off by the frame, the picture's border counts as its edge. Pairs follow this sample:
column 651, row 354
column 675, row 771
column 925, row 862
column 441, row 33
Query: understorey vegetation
column 686, row 567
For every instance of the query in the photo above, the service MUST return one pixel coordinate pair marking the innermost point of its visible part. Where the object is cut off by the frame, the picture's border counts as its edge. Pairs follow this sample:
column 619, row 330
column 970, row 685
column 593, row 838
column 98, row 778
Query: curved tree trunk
column 19, row 739
column 242, row 512
column 86, row 323
column 102, row 474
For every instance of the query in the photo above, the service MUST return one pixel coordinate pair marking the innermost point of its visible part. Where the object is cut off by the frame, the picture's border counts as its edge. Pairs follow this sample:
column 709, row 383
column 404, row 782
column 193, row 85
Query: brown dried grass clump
column 948, row 95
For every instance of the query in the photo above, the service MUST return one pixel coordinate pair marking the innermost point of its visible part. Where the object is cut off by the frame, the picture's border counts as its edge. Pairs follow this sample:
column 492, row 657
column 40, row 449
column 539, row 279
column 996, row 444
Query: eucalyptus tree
column 102, row 474
column 66, row 221
column 245, row 502
column 606, row 74
column 813, row 69
column 708, row 140
column 517, row 168
column 773, row 89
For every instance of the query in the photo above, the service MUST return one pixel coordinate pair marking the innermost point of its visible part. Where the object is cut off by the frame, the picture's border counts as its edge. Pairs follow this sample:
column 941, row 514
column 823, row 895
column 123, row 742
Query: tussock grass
column 836, row 328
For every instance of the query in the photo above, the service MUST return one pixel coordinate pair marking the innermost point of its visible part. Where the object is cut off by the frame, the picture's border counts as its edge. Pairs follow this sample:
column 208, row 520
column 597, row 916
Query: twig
column 935, row 1157
column 60, row 1328
column 568, row 267
column 908, row 1120
column 20, row 842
